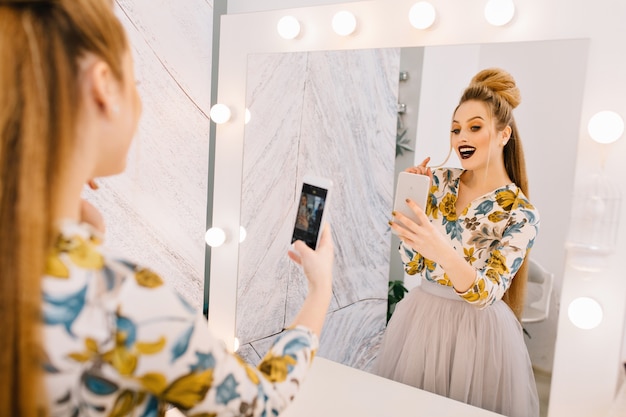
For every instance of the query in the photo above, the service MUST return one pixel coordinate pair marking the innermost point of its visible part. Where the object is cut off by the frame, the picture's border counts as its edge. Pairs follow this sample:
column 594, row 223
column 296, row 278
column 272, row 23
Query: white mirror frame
column 586, row 370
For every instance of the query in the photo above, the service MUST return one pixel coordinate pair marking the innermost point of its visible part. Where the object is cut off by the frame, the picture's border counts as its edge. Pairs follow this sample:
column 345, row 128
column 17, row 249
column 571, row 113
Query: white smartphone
column 413, row 186
column 311, row 210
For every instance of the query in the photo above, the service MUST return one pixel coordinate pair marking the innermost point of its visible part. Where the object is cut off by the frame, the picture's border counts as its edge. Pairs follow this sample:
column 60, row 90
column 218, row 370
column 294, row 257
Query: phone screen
column 309, row 217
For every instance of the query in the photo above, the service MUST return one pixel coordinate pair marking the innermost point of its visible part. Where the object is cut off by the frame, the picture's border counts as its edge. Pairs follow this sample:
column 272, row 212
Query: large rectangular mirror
column 553, row 143
column 336, row 114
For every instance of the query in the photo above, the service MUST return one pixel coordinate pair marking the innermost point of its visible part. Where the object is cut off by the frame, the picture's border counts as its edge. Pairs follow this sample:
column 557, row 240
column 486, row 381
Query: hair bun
column 501, row 83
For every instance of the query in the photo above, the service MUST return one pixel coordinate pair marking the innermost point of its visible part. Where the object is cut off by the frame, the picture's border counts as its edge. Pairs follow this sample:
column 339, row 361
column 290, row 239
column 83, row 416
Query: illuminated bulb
column 236, row 344
column 344, row 23
column 422, row 15
column 215, row 237
column 585, row 313
column 288, row 27
column 242, row 234
column 220, row 113
column 605, row 127
column 499, row 12
column 247, row 117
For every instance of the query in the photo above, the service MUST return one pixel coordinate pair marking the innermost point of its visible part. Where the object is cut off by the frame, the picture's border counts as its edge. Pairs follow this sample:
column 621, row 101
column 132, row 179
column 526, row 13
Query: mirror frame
column 379, row 26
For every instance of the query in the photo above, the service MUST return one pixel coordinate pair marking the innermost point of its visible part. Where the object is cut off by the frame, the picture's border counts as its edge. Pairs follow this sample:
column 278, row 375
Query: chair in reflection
column 538, row 292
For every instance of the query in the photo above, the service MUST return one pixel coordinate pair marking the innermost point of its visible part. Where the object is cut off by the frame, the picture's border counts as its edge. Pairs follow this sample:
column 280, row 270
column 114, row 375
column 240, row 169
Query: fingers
column 421, row 169
column 92, row 184
column 326, row 240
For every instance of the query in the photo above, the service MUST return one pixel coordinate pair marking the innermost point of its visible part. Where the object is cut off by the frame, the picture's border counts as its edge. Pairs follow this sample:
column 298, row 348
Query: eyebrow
column 469, row 120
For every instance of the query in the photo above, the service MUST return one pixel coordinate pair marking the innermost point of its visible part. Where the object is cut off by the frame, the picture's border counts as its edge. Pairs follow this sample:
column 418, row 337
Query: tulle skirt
column 437, row 342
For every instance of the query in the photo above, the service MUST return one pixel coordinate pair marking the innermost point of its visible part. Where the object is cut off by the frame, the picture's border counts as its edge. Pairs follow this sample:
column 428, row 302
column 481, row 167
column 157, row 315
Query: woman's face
column 474, row 137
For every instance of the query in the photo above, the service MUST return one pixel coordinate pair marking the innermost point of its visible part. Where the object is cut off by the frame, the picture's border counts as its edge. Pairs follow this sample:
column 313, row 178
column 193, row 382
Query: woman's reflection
column 458, row 333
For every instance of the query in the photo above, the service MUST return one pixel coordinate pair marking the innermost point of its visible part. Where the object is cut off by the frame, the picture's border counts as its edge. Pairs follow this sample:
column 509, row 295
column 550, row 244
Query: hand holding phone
column 413, row 186
column 311, row 210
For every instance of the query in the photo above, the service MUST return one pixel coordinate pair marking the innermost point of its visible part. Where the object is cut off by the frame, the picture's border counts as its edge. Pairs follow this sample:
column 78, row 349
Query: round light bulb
column 422, row 15
column 344, row 23
column 242, row 234
column 247, row 117
column 499, row 12
column 215, row 237
column 585, row 313
column 606, row 127
column 288, row 27
column 220, row 113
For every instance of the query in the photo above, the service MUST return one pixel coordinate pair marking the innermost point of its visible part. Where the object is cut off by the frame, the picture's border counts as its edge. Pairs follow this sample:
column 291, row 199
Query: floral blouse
column 119, row 342
column 493, row 233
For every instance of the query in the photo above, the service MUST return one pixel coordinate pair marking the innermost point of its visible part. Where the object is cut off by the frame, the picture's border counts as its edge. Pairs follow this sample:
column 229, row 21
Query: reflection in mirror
column 334, row 114
column 329, row 114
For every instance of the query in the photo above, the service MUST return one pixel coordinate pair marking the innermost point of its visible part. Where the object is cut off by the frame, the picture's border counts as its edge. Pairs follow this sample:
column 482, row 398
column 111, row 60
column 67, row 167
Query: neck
column 487, row 178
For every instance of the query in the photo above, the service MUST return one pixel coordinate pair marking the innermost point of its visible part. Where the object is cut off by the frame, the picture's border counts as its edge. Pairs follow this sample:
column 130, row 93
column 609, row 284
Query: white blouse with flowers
column 119, row 342
column 493, row 233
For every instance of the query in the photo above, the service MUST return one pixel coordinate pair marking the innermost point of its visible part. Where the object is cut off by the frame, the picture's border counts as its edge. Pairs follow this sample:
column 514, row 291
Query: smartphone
column 311, row 210
column 413, row 186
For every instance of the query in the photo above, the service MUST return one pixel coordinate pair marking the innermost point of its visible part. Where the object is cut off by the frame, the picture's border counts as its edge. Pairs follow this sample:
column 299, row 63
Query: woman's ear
column 103, row 89
column 506, row 135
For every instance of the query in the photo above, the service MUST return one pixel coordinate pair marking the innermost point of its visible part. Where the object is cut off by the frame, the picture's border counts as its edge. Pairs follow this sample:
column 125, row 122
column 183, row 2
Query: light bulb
column 499, row 12
column 288, row 27
column 215, row 237
column 585, row 313
column 344, row 23
column 236, row 344
column 220, row 113
column 242, row 234
column 422, row 15
column 606, row 127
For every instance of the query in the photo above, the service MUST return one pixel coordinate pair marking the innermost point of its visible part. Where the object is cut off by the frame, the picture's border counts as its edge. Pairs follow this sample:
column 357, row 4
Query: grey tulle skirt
column 437, row 342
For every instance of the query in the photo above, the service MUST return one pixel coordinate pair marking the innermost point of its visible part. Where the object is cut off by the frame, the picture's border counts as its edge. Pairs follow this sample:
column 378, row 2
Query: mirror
column 570, row 394
column 334, row 113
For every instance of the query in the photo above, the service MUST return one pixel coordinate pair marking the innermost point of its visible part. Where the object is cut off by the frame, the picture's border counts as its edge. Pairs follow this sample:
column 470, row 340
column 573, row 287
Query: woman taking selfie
column 85, row 333
column 458, row 333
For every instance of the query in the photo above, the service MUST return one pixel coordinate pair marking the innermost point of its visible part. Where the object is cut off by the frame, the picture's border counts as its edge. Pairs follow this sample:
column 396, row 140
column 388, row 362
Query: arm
column 478, row 286
column 119, row 340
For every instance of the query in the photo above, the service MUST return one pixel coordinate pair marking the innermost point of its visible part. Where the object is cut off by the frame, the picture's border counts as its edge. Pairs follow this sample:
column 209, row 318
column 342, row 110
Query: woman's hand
column 318, row 268
column 89, row 214
column 421, row 169
column 420, row 236
column 317, row 264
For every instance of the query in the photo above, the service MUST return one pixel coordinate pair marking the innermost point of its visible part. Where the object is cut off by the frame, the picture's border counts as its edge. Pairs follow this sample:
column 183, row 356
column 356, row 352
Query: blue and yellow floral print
column 119, row 342
column 493, row 233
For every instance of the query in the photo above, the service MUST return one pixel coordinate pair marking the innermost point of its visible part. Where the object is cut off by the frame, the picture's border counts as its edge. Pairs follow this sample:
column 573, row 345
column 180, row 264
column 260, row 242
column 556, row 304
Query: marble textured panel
column 330, row 114
column 156, row 211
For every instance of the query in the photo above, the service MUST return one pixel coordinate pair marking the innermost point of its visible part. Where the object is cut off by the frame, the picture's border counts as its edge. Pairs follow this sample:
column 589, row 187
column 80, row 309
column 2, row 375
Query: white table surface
column 332, row 389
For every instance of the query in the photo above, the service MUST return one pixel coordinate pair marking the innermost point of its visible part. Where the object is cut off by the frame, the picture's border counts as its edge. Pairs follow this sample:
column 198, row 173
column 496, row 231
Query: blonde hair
column 497, row 89
column 41, row 43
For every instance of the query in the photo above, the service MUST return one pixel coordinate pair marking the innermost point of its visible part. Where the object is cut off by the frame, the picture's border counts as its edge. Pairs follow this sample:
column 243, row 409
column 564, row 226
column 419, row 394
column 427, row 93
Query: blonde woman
column 458, row 333
column 85, row 333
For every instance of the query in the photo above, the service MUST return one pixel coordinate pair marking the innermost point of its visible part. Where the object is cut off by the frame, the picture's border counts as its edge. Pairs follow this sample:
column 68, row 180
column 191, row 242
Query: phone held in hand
column 311, row 210
column 413, row 186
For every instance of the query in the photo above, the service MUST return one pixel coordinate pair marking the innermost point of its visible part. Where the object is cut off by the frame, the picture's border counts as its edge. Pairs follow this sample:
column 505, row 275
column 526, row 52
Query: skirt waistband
column 439, row 290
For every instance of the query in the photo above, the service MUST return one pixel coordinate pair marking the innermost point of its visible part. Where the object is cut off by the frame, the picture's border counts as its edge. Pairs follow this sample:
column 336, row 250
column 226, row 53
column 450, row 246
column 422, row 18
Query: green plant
column 395, row 294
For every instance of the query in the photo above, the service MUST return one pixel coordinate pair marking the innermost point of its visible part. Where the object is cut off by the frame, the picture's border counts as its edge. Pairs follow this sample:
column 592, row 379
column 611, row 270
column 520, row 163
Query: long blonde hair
column 41, row 43
column 497, row 89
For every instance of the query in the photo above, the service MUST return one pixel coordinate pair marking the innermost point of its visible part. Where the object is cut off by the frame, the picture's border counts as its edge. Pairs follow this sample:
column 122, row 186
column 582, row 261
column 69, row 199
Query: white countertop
column 332, row 389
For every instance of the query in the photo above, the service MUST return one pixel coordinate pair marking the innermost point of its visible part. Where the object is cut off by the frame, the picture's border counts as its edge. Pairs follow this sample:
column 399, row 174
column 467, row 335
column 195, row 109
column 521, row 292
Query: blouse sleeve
column 505, row 258
column 164, row 348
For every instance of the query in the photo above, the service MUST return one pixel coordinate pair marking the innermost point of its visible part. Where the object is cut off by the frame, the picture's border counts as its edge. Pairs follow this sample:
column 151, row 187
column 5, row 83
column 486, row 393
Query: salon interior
column 242, row 98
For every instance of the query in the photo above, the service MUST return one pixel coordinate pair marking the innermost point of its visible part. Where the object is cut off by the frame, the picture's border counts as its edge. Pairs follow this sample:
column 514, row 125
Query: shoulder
column 513, row 200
